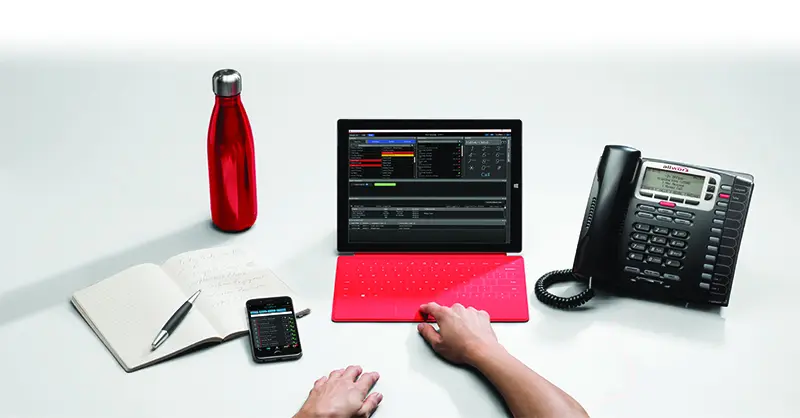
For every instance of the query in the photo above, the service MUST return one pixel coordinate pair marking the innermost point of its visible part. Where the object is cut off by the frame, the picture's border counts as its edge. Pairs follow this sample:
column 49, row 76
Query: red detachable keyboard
column 390, row 288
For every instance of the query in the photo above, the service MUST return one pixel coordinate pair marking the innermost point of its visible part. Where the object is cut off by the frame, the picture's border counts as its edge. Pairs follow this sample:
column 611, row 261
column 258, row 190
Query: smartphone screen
column 273, row 329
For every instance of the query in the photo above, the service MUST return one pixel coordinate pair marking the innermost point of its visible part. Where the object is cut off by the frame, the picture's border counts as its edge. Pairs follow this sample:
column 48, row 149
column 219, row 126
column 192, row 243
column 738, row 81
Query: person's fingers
column 457, row 307
column 367, row 381
column 352, row 373
column 472, row 309
column 336, row 373
column 321, row 381
column 429, row 334
column 370, row 405
column 432, row 308
column 484, row 314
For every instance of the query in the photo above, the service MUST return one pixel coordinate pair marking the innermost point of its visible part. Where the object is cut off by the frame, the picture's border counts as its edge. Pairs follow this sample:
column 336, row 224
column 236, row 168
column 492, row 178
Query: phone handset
column 595, row 254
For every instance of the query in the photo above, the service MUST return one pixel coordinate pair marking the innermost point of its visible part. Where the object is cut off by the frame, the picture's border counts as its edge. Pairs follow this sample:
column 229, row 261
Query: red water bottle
column 231, row 157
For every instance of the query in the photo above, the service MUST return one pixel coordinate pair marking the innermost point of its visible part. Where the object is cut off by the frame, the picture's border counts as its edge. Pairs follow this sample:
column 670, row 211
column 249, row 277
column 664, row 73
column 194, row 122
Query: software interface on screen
column 273, row 327
column 429, row 186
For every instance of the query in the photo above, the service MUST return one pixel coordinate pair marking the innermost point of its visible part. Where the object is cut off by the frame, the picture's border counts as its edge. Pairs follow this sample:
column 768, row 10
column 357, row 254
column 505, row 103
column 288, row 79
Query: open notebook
column 128, row 309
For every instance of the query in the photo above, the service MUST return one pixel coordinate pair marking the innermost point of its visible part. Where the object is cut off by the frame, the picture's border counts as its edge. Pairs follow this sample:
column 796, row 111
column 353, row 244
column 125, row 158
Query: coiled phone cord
column 560, row 302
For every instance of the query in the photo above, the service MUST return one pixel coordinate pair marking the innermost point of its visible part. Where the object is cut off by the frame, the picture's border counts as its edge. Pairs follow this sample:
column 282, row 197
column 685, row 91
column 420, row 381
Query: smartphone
column 273, row 329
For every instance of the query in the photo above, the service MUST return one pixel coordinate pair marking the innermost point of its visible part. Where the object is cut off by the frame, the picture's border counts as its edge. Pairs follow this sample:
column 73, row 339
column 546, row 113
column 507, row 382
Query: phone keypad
column 636, row 256
column 658, row 240
column 674, row 253
column 660, row 230
column 676, row 243
column 677, row 233
column 652, row 259
column 657, row 246
column 638, row 246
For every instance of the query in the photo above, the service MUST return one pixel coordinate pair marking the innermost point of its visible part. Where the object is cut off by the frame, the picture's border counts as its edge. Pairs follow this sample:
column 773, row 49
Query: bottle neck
column 228, row 100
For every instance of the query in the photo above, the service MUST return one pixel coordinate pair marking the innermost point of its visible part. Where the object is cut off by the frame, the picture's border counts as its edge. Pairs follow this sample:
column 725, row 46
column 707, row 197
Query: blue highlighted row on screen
column 391, row 141
column 268, row 311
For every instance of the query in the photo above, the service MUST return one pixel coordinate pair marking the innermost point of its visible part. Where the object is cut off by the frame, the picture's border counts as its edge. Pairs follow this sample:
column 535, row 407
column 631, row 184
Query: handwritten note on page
column 228, row 277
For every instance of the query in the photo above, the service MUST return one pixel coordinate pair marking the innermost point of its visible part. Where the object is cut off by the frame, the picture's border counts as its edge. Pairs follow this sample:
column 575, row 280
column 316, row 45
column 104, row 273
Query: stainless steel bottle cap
column 227, row 83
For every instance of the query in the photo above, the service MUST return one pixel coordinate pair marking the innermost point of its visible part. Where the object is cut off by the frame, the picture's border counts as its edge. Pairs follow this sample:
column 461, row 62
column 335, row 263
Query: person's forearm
column 527, row 394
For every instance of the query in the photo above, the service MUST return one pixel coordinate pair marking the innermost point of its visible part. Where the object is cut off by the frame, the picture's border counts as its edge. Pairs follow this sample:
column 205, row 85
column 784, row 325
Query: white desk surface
column 103, row 166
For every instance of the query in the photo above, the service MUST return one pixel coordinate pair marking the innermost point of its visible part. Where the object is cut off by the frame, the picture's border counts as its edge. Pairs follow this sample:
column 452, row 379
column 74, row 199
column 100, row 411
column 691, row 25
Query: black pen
column 174, row 320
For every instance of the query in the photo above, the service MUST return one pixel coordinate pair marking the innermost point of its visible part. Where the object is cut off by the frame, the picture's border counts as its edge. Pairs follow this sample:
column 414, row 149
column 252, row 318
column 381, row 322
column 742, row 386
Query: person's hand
column 464, row 333
column 342, row 394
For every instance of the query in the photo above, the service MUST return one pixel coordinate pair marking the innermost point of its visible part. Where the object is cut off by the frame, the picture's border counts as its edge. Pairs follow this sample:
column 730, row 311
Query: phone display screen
column 273, row 327
column 674, row 183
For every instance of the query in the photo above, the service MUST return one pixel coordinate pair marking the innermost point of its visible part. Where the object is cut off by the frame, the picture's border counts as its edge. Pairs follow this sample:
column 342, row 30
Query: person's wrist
column 307, row 413
column 302, row 414
column 481, row 353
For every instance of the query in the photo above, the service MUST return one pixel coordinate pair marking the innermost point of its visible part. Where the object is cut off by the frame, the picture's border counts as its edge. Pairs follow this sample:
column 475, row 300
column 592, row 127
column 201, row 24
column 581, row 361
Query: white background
column 104, row 109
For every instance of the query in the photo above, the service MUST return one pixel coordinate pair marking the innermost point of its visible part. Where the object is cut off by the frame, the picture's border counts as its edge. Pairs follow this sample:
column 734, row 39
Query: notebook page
column 228, row 277
column 128, row 309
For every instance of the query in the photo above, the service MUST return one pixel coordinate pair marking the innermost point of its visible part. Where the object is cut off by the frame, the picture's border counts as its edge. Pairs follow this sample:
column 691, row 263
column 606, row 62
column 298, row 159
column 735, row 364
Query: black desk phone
column 658, row 230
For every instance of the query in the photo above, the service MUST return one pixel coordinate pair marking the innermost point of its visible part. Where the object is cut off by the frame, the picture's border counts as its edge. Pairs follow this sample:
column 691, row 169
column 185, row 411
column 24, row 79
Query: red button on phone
column 724, row 196
column 667, row 204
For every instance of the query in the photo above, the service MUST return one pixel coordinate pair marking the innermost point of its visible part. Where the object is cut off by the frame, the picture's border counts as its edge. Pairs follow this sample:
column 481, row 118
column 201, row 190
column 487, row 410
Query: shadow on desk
column 462, row 383
column 311, row 271
column 700, row 324
column 58, row 289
